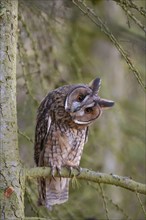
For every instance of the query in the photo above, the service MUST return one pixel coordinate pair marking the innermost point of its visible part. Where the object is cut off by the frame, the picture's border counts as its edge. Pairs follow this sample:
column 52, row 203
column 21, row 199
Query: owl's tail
column 56, row 191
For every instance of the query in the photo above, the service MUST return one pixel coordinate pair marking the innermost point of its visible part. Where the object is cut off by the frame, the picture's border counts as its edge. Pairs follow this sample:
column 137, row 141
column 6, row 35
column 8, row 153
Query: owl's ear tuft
column 105, row 103
column 95, row 85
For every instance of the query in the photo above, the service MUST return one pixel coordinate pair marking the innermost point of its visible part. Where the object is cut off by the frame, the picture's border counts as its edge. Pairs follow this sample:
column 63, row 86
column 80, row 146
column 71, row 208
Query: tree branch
column 132, row 5
column 105, row 29
column 86, row 174
column 127, row 9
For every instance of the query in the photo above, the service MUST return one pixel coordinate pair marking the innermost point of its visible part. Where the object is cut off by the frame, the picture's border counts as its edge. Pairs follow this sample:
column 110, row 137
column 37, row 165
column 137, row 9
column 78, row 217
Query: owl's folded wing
column 42, row 128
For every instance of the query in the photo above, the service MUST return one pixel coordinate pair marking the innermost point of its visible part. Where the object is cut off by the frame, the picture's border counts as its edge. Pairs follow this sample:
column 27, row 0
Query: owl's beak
column 104, row 103
column 74, row 108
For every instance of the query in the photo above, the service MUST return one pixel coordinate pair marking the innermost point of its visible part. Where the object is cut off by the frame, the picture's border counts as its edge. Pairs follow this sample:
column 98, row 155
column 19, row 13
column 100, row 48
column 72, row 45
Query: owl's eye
column 80, row 98
column 88, row 110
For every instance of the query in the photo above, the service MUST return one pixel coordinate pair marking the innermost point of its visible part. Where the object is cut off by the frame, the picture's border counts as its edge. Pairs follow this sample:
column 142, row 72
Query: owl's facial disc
column 87, row 114
column 91, row 109
column 83, row 103
column 77, row 98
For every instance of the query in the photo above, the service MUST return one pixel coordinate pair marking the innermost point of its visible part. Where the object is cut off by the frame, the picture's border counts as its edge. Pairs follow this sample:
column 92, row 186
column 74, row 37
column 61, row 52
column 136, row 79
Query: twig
column 35, row 218
column 131, row 4
column 24, row 135
column 142, row 206
column 126, row 217
column 25, row 76
column 34, row 48
column 104, row 200
column 129, row 13
column 104, row 28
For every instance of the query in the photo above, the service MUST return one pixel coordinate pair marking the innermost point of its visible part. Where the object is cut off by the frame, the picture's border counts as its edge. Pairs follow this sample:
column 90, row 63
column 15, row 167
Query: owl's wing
column 86, row 136
column 43, row 124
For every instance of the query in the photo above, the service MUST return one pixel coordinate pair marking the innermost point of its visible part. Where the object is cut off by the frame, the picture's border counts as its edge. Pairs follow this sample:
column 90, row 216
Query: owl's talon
column 52, row 172
column 59, row 172
column 69, row 169
column 53, row 178
column 79, row 169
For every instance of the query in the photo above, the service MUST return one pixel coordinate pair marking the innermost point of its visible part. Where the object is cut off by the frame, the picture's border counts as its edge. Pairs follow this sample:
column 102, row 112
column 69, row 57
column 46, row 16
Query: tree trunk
column 11, row 185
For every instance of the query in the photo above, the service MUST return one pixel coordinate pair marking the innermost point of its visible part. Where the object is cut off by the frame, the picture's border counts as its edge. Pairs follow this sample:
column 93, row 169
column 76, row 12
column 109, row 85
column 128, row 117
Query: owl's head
column 83, row 103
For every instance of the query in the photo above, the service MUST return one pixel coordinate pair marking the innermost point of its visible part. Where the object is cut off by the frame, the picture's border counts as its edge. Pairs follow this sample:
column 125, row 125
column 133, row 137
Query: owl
column 62, row 124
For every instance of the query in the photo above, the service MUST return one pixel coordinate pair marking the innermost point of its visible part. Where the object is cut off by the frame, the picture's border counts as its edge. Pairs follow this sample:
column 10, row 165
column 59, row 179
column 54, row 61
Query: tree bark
column 11, row 180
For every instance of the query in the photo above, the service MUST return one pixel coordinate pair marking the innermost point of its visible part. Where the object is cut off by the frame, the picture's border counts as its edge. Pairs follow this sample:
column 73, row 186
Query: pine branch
column 25, row 136
column 89, row 12
column 127, row 9
column 86, row 174
column 132, row 5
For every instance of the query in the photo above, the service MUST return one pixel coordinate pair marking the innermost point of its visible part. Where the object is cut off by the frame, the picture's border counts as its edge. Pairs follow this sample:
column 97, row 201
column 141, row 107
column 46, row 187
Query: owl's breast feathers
column 63, row 146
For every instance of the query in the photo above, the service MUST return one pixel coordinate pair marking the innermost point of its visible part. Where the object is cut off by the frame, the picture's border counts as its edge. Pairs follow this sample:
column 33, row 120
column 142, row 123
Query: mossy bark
column 11, row 178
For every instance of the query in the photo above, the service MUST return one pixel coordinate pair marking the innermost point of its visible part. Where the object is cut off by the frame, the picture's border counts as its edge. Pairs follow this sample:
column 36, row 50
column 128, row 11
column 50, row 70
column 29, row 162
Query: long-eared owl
column 62, row 124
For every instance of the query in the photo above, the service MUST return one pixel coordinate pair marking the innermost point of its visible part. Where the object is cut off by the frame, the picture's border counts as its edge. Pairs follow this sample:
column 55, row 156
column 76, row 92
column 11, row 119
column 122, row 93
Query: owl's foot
column 78, row 168
column 70, row 168
column 55, row 168
column 59, row 172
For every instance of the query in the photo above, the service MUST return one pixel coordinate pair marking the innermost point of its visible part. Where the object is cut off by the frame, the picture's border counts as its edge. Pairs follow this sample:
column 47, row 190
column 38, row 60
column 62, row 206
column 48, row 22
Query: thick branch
column 124, row 182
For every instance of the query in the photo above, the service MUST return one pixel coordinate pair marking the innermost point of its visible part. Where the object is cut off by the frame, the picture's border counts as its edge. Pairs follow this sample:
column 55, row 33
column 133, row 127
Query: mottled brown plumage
column 61, row 132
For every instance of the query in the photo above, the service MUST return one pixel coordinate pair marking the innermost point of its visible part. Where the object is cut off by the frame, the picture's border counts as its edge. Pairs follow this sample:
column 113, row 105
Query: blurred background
column 58, row 45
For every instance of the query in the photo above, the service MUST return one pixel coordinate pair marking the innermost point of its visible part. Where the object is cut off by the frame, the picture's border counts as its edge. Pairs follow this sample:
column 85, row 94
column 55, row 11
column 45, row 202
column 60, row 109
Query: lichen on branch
column 86, row 174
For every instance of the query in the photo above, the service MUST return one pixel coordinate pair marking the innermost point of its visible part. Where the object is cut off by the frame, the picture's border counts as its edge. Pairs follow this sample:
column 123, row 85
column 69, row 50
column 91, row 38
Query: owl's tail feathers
column 56, row 191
